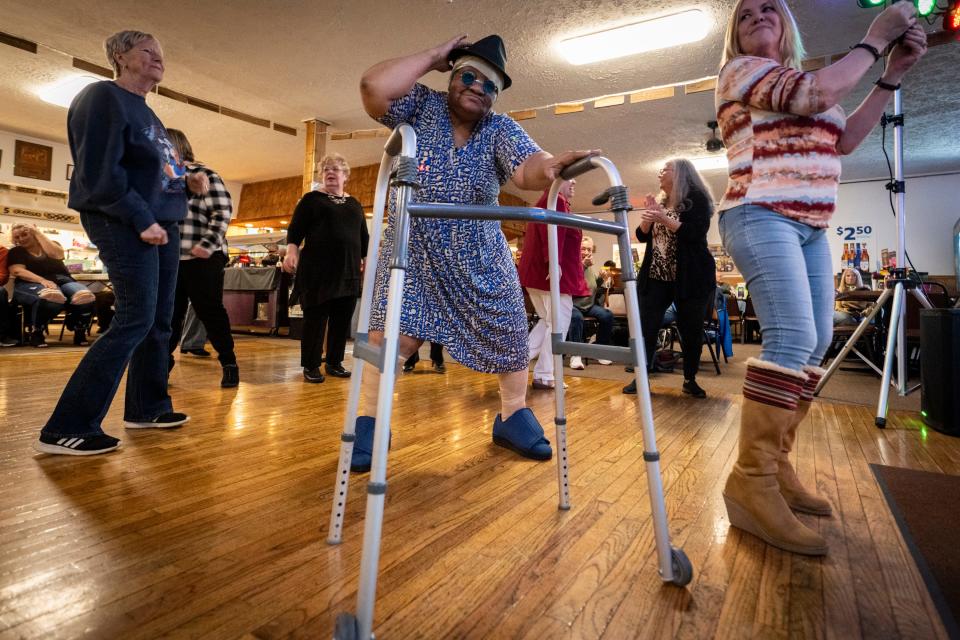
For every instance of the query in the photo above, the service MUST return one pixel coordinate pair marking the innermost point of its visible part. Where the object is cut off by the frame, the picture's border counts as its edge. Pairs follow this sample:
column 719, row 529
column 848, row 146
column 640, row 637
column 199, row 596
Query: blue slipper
column 363, row 445
column 522, row 433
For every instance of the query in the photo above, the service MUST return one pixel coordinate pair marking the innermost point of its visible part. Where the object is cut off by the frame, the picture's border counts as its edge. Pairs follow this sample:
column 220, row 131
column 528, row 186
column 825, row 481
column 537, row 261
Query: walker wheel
column 346, row 628
column 682, row 569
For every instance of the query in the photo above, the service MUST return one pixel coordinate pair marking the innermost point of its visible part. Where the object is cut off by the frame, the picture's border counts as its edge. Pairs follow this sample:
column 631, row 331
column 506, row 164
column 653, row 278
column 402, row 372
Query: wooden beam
column 314, row 150
column 658, row 93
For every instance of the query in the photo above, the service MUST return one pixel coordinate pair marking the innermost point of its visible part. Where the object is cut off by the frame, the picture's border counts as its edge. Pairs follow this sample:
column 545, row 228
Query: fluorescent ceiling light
column 649, row 35
column 710, row 163
column 63, row 92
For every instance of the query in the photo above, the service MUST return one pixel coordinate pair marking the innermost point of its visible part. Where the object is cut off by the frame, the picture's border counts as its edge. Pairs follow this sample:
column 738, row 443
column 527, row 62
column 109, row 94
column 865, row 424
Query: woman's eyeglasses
column 488, row 86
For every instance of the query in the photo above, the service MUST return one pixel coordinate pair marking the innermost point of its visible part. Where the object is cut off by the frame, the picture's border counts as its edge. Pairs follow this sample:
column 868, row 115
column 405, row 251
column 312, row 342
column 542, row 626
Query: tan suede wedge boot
column 752, row 494
column 797, row 497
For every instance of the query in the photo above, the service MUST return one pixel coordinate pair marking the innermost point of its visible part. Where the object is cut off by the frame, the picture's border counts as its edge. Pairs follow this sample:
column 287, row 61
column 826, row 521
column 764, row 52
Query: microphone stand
column 896, row 285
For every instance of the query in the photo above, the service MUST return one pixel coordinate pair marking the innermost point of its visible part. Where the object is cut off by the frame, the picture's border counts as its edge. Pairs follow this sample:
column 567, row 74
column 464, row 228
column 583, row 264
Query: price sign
column 854, row 234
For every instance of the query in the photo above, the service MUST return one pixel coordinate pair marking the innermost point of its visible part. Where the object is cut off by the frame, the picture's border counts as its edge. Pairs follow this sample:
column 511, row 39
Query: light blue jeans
column 788, row 271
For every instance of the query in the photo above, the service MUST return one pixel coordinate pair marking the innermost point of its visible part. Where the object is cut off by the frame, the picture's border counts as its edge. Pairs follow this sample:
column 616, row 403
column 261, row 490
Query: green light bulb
column 925, row 7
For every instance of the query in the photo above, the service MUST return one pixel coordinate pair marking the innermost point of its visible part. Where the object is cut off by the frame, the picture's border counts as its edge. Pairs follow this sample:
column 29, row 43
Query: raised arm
column 839, row 79
column 768, row 85
column 903, row 57
column 52, row 249
column 391, row 79
column 539, row 170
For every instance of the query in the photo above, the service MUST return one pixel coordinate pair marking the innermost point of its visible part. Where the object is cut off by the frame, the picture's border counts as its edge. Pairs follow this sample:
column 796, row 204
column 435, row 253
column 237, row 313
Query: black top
column 126, row 167
column 696, row 269
column 334, row 238
column 43, row 265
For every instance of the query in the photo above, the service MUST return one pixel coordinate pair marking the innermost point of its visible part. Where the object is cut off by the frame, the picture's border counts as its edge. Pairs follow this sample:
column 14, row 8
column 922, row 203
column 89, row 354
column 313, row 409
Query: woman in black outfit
column 677, row 265
column 333, row 230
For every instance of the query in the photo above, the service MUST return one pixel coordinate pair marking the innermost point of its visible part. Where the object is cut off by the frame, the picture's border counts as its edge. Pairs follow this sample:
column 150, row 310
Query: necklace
column 336, row 199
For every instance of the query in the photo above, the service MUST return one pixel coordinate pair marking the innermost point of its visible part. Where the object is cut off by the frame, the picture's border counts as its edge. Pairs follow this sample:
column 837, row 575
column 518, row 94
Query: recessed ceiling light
column 63, row 92
column 710, row 163
column 649, row 35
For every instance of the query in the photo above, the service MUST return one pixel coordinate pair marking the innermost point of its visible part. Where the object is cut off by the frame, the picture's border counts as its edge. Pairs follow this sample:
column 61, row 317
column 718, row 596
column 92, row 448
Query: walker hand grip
column 578, row 168
column 602, row 199
column 394, row 143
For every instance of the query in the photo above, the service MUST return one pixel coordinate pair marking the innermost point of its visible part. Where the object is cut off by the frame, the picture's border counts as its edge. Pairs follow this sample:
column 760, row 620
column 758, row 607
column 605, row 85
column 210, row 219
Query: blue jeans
column 144, row 278
column 604, row 324
column 788, row 271
column 39, row 311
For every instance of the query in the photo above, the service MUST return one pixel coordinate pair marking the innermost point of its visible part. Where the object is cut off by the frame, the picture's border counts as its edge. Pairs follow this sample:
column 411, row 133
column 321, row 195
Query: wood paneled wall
column 269, row 199
column 277, row 198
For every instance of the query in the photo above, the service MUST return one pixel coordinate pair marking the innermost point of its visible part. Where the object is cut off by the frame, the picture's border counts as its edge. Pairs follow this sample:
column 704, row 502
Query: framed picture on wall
column 69, row 171
column 32, row 160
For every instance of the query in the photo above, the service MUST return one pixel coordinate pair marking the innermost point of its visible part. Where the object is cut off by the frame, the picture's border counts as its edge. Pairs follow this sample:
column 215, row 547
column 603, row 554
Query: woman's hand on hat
column 565, row 159
column 441, row 51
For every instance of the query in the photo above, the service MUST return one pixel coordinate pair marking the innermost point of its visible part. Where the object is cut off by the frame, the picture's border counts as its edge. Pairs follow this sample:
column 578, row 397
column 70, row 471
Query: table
column 252, row 298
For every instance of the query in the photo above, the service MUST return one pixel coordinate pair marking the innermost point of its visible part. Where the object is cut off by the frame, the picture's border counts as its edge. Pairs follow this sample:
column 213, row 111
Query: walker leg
column 347, row 438
column 674, row 565
column 377, row 487
column 560, row 422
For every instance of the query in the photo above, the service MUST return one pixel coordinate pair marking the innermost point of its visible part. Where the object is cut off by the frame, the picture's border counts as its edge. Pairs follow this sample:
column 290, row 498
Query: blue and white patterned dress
column 461, row 288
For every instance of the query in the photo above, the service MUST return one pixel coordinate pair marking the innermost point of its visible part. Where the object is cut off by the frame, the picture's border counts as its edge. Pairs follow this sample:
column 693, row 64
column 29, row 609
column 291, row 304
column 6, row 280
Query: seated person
column 586, row 306
column 43, row 285
column 848, row 312
column 7, row 338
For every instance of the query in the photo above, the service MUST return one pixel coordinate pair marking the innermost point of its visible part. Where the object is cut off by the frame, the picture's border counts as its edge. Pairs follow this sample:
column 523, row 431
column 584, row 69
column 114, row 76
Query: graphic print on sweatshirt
column 174, row 171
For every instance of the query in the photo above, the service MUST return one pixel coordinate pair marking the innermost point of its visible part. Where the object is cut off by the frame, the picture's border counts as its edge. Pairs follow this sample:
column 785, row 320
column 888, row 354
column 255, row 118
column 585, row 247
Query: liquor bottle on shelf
column 851, row 255
column 856, row 257
column 864, row 259
column 843, row 256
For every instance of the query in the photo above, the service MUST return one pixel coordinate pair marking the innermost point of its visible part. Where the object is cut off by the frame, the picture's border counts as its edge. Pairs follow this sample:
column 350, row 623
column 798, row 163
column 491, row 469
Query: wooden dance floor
column 218, row 529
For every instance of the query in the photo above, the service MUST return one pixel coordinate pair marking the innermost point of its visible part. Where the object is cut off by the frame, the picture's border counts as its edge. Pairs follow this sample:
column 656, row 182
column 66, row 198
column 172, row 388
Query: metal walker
column 674, row 566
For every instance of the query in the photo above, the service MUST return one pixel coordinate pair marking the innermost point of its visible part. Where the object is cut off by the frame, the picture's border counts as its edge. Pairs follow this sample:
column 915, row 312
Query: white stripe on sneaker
column 72, row 442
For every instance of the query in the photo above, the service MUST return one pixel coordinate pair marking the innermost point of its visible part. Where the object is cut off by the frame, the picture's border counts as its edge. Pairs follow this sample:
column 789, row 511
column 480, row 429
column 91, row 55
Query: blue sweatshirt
column 125, row 166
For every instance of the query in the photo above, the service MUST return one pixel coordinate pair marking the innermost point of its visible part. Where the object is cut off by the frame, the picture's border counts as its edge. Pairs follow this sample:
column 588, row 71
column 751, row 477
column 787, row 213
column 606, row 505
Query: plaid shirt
column 207, row 217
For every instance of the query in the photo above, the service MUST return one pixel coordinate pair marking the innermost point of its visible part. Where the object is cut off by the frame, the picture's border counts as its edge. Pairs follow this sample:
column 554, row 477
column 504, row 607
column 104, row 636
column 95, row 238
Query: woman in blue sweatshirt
column 131, row 191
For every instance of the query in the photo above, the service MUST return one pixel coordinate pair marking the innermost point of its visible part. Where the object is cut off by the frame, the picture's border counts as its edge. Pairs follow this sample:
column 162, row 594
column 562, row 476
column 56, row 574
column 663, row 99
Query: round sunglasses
column 488, row 86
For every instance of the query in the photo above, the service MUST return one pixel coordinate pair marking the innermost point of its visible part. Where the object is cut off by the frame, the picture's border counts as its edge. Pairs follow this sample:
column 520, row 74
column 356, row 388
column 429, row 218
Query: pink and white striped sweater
column 781, row 142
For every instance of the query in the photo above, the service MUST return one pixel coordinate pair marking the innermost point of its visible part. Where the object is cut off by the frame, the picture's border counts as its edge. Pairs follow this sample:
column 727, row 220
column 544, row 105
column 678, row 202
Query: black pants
column 7, row 317
column 200, row 282
column 436, row 355
column 691, row 312
column 339, row 312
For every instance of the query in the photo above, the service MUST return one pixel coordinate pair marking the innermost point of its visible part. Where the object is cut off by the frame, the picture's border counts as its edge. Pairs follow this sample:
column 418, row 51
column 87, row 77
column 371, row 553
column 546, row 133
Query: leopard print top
column 663, row 265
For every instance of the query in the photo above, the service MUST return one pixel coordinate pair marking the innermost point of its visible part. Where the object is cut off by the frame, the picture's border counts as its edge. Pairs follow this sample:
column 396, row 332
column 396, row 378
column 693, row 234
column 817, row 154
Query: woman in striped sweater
column 785, row 131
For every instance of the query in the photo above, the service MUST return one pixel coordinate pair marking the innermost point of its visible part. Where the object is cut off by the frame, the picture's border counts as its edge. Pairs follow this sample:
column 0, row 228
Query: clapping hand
column 652, row 211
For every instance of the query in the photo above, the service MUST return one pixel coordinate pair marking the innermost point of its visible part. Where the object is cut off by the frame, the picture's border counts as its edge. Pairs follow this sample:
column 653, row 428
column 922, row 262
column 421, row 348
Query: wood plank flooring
column 218, row 529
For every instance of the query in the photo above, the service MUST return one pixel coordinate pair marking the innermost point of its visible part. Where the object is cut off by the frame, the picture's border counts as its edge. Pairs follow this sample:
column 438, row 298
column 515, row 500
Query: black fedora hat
column 490, row 49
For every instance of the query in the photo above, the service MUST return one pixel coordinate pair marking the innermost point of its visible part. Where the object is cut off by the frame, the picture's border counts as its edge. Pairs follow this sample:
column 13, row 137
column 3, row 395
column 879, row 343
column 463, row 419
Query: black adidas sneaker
column 76, row 445
column 163, row 421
